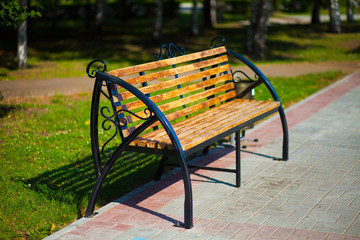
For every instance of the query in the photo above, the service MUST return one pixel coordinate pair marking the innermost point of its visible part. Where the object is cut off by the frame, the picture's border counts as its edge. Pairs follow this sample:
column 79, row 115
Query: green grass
column 47, row 170
column 293, row 89
column 47, row 167
column 313, row 44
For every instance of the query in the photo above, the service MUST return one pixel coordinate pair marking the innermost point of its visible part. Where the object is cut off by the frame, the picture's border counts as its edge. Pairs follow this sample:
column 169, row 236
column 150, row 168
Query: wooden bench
column 176, row 106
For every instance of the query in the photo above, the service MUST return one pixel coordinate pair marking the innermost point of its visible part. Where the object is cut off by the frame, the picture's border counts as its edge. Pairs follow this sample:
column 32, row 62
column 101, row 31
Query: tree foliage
column 11, row 13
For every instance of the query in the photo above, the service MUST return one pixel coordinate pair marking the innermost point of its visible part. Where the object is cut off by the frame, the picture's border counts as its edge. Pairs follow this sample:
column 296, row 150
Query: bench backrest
column 179, row 86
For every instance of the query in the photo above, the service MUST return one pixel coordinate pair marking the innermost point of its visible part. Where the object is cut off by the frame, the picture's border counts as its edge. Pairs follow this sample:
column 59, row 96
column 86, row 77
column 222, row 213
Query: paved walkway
column 314, row 195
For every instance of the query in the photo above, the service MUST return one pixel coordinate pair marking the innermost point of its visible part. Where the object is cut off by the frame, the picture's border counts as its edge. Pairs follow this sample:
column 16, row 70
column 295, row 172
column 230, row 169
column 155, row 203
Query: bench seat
column 209, row 124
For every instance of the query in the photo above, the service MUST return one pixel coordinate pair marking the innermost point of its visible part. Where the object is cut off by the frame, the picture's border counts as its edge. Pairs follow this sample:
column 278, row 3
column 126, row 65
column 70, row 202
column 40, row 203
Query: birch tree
column 14, row 14
column 335, row 21
column 22, row 40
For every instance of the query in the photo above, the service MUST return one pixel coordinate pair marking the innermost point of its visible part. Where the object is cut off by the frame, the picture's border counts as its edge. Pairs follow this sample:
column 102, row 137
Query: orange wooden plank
column 178, row 81
column 166, row 62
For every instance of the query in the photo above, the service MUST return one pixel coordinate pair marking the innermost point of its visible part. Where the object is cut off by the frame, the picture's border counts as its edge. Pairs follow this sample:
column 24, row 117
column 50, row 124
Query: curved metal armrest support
column 156, row 114
column 263, row 79
column 150, row 104
column 256, row 70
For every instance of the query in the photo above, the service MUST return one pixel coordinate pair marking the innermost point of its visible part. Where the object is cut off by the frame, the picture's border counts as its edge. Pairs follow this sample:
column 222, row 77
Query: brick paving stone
column 258, row 219
column 122, row 227
column 102, row 233
column 138, row 232
column 238, row 230
column 282, row 233
column 191, row 234
column 166, row 234
column 70, row 236
column 215, row 227
column 265, row 232
column 333, row 236
column 305, row 234
column 82, row 229
column 351, row 237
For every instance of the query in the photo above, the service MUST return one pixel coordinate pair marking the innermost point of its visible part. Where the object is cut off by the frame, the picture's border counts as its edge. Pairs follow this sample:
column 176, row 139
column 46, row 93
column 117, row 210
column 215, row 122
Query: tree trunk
column 172, row 12
column 195, row 28
column 213, row 12
column 315, row 17
column 220, row 6
column 101, row 12
column 209, row 13
column 256, row 36
column 126, row 8
column 55, row 17
column 22, row 41
column 87, row 12
column 158, row 20
column 335, row 22
column 206, row 14
column 350, row 11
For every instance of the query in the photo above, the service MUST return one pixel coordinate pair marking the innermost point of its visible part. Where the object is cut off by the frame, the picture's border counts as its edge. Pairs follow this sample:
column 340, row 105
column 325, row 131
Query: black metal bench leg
column 161, row 167
column 238, row 158
column 285, row 151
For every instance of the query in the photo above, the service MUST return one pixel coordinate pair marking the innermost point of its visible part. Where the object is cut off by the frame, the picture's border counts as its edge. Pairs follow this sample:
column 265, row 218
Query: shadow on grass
column 73, row 183
column 5, row 109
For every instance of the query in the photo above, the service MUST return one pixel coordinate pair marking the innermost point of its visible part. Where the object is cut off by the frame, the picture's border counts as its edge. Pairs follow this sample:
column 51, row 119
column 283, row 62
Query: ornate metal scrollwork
column 170, row 51
column 237, row 77
column 98, row 68
column 118, row 123
column 218, row 41
column 103, row 125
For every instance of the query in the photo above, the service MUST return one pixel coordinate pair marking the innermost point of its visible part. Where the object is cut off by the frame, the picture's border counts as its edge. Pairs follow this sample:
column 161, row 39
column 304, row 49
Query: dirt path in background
column 23, row 89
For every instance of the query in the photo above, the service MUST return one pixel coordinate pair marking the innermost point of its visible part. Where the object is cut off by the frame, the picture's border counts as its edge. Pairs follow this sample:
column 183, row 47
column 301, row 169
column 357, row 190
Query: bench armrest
column 155, row 114
column 147, row 101
column 262, row 78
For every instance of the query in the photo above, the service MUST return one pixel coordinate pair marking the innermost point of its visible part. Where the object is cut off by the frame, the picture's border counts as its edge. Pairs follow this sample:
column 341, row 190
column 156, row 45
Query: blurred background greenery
column 62, row 36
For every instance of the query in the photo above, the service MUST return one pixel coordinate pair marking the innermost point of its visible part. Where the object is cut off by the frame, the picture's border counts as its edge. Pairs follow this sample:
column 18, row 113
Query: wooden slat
column 235, row 122
column 202, row 95
column 181, row 80
column 189, row 124
column 190, row 88
column 224, row 118
column 217, row 119
column 192, row 109
column 178, row 70
column 180, row 102
column 166, row 62
column 200, row 106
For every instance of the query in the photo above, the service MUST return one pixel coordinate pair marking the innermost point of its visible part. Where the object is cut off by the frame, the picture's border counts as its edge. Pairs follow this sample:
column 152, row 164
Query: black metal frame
column 154, row 114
